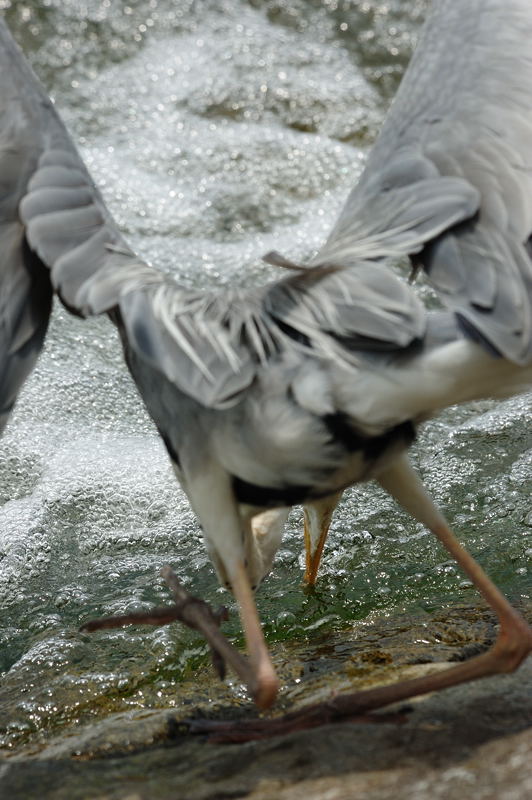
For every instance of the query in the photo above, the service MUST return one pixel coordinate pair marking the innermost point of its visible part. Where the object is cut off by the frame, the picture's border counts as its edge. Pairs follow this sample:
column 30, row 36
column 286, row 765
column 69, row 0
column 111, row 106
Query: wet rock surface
column 472, row 740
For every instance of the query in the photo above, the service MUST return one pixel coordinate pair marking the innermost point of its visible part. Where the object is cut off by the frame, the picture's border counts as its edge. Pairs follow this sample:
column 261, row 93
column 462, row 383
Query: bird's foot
column 512, row 646
column 196, row 614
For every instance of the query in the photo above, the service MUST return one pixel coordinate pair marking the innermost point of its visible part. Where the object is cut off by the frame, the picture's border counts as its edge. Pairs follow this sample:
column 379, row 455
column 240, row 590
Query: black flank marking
column 269, row 496
column 341, row 431
column 372, row 446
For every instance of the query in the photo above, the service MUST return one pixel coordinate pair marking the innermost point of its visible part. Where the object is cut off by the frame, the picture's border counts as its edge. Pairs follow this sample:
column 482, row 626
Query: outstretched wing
column 50, row 193
column 55, row 231
column 450, row 176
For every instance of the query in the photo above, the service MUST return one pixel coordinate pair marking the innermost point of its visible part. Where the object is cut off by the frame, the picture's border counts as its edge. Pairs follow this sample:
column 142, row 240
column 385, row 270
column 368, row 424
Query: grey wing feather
column 367, row 308
column 197, row 341
column 69, row 227
column 51, row 194
column 450, row 176
column 397, row 211
column 55, row 232
column 52, row 216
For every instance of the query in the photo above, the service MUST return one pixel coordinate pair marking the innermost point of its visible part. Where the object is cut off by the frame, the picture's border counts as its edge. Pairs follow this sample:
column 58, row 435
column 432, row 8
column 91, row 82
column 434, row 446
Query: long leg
column 317, row 519
column 514, row 642
column 512, row 646
column 212, row 499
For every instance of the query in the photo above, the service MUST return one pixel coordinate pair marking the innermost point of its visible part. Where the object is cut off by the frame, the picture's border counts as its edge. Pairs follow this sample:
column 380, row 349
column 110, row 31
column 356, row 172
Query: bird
column 290, row 392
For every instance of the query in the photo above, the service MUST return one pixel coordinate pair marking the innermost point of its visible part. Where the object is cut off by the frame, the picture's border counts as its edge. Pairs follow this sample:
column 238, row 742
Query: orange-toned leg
column 317, row 519
column 514, row 642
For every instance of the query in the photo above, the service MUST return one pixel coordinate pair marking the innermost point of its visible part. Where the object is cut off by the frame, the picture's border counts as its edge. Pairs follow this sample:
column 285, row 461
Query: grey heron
column 290, row 392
